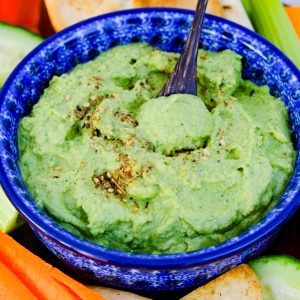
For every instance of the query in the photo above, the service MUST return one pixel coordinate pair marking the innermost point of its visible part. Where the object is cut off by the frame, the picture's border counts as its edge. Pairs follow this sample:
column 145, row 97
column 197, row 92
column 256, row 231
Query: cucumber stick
column 279, row 277
column 15, row 43
column 9, row 217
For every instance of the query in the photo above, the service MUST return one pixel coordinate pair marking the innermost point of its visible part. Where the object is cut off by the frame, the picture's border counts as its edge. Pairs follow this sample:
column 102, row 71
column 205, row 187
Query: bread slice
column 214, row 7
column 240, row 283
column 64, row 13
column 112, row 294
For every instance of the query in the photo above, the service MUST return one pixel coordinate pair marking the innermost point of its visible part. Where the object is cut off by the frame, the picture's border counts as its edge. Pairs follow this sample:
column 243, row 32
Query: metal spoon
column 183, row 79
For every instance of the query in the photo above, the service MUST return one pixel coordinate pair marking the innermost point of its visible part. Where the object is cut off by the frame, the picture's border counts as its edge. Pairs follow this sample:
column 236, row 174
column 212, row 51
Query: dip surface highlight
column 113, row 163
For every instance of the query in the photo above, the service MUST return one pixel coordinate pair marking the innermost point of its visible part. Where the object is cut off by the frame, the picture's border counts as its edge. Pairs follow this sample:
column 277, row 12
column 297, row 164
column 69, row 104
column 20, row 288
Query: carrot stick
column 21, row 13
column 11, row 287
column 82, row 291
column 46, row 282
column 294, row 15
column 31, row 270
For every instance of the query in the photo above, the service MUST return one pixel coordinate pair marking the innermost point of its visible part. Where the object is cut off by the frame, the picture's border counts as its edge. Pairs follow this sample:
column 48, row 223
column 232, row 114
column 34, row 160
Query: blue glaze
column 166, row 29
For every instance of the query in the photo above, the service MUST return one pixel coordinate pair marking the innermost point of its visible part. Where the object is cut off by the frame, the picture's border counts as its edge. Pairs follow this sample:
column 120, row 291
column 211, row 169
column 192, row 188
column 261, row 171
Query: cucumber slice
column 15, row 43
column 279, row 277
column 9, row 217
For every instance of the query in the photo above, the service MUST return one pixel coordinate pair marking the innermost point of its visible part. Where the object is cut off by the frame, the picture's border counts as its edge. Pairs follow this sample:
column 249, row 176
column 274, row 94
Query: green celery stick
column 271, row 21
column 247, row 6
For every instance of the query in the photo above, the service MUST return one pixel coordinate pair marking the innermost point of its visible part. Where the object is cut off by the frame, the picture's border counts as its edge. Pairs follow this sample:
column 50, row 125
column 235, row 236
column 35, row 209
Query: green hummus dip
column 114, row 164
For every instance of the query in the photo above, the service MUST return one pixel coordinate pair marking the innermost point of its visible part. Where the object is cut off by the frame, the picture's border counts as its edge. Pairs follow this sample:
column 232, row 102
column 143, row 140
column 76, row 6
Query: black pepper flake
column 96, row 132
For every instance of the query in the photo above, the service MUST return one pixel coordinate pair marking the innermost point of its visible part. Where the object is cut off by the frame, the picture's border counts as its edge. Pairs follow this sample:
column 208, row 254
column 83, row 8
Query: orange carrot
column 77, row 288
column 294, row 15
column 11, row 287
column 44, row 281
column 21, row 13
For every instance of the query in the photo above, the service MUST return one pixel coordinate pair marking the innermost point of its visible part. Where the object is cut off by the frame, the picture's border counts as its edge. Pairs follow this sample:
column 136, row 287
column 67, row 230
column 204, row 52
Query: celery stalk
column 247, row 6
column 271, row 21
column 9, row 217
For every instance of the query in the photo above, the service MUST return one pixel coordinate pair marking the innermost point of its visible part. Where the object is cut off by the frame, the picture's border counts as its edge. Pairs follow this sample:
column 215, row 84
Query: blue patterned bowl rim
column 256, row 233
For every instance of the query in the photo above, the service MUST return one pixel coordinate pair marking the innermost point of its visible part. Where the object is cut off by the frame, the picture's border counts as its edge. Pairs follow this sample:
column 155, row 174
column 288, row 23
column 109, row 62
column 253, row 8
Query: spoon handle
column 183, row 79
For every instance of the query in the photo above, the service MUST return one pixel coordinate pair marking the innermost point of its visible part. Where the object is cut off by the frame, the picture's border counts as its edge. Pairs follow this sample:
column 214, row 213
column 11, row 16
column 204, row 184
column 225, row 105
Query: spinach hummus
column 114, row 163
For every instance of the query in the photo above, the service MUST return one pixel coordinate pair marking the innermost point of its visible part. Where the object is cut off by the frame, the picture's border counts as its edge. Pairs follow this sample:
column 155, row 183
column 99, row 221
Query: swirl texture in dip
column 115, row 164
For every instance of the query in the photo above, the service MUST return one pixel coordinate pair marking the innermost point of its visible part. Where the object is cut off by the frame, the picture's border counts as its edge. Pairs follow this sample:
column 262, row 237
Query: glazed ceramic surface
column 166, row 29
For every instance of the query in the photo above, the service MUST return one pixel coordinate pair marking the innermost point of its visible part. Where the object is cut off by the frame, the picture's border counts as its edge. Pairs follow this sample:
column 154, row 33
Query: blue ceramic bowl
column 166, row 29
